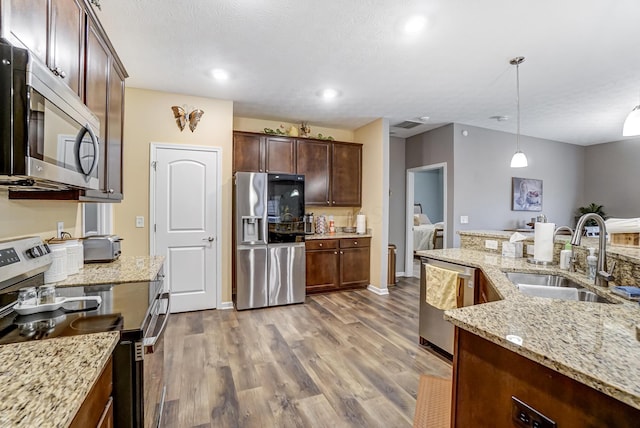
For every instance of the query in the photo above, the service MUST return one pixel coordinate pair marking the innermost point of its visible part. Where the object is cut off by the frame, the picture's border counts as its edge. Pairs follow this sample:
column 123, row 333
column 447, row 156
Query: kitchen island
column 45, row 383
column 124, row 269
column 593, row 344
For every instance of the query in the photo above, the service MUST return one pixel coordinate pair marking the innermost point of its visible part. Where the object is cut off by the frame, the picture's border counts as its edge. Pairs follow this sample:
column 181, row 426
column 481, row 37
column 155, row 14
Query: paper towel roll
column 543, row 242
column 361, row 224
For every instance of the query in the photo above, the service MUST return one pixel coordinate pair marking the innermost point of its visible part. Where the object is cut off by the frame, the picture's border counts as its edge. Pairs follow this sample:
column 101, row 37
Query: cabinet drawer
column 321, row 244
column 354, row 242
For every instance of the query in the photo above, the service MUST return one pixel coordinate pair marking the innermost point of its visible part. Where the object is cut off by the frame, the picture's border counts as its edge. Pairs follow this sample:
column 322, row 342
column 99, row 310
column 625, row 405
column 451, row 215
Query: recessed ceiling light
column 329, row 93
column 220, row 74
column 415, row 24
column 424, row 118
column 499, row 118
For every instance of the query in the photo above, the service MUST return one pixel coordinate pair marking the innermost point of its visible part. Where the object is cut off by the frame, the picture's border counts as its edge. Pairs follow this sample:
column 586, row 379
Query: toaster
column 101, row 248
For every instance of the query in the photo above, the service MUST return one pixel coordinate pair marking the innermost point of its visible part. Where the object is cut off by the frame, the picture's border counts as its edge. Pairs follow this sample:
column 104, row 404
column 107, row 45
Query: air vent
column 407, row 124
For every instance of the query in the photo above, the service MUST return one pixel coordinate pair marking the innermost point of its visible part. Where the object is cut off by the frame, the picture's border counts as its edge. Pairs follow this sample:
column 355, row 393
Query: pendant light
column 519, row 160
column 631, row 126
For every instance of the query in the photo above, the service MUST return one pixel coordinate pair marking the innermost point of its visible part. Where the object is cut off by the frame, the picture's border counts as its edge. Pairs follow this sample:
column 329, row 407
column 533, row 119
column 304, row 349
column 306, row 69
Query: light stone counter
column 337, row 235
column 593, row 343
column 44, row 383
column 125, row 269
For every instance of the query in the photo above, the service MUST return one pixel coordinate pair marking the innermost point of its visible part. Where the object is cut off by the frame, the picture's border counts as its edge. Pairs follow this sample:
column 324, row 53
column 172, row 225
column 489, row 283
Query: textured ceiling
column 580, row 79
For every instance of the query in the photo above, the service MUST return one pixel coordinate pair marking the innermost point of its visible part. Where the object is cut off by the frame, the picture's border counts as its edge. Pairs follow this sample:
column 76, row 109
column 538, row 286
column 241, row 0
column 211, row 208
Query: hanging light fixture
column 519, row 160
column 631, row 126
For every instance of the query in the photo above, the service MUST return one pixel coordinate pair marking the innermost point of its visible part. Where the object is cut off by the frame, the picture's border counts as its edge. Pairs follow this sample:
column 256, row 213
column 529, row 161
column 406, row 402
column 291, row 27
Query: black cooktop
column 124, row 308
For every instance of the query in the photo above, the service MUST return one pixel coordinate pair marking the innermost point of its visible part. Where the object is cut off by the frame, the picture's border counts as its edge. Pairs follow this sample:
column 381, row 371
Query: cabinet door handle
column 328, row 202
column 341, row 252
column 111, row 190
column 355, row 242
column 335, row 252
column 334, row 202
column 320, row 245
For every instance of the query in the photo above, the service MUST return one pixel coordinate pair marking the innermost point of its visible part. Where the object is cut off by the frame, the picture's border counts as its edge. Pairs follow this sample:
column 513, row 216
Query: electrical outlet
column 139, row 221
column 464, row 219
column 491, row 244
column 60, row 229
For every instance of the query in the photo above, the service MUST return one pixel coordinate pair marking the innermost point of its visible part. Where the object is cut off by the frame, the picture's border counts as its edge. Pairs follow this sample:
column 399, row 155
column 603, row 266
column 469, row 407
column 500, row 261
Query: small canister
column 58, row 269
column 321, row 225
column 47, row 294
column 27, row 296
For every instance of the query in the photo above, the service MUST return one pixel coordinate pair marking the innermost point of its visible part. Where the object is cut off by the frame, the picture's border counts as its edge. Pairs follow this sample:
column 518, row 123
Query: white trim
column 398, row 274
column 384, row 236
column 225, row 306
column 408, row 259
column 379, row 291
column 153, row 147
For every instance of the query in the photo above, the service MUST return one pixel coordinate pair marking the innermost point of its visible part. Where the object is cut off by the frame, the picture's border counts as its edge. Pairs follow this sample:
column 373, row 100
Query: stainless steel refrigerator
column 269, row 239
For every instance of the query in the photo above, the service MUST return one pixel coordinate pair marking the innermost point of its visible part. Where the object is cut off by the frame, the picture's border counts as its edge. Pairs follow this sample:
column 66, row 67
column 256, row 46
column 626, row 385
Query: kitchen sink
column 551, row 280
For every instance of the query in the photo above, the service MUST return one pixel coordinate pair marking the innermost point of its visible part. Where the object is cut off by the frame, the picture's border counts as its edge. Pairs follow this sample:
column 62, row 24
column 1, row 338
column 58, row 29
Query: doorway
column 185, row 209
column 426, row 192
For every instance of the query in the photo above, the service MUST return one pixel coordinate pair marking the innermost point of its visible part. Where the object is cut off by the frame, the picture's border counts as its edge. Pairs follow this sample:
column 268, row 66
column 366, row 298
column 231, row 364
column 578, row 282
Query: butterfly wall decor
column 182, row 117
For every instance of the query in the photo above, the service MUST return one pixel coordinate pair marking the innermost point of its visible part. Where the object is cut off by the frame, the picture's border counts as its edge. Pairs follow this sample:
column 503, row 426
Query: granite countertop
column 45, row 382
column 629, row 254
column 337, row 235
column 125, row 269
column 593, row 343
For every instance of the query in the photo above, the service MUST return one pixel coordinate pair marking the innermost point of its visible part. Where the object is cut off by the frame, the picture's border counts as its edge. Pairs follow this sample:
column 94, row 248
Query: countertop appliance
column 49, row 137
column 269, row 252
column 309, row 228
column 101, row 248
column 433, row 329
column 138, row 310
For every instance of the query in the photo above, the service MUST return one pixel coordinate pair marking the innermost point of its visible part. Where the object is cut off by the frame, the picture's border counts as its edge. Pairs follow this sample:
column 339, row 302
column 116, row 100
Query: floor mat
column 433, row 406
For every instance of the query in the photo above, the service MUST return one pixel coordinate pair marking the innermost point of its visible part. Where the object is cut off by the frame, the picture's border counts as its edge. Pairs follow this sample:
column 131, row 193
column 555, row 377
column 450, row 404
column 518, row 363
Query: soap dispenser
column 565, row 256
column 592, row 262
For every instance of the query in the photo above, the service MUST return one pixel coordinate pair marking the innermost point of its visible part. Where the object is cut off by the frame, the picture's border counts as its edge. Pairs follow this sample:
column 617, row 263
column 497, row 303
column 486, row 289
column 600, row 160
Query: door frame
column 153, row 149
column 410, row 198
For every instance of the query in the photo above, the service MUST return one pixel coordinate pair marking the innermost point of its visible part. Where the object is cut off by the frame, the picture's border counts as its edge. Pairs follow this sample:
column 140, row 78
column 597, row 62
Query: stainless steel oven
column 49, row 137
column 138, row 310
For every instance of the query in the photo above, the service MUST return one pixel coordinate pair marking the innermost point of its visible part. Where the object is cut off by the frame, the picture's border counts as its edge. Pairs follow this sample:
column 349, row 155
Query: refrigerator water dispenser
column 251, row 229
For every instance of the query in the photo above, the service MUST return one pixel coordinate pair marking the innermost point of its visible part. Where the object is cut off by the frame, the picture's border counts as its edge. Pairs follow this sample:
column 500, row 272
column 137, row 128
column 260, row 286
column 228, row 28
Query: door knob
column 210, row 239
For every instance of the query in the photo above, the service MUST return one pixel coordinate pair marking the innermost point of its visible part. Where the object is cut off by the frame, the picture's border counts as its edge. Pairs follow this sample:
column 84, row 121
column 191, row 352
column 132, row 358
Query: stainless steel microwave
column 48, row 137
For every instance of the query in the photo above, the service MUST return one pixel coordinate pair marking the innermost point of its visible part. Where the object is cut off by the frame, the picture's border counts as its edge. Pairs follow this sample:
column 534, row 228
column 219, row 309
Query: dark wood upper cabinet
column 280, row 155
column 25, row 22
column 332, row 169
column 66, row 42
column 248, row 152
column 68, row 37
column 314, row 161
column 346, row 175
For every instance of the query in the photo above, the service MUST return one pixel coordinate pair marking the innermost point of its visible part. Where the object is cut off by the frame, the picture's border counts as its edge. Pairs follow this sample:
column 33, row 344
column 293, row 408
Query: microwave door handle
column 150, row 342
column 96, row 150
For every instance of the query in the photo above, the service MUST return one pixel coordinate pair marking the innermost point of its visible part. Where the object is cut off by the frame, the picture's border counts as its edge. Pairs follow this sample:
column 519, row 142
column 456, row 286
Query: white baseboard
column 378, row 291
column 398, row 274
column 225, row 305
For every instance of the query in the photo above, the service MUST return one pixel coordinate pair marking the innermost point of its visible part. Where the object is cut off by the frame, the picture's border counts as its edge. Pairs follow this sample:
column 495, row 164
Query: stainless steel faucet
column 567, row 228
column 602, row 276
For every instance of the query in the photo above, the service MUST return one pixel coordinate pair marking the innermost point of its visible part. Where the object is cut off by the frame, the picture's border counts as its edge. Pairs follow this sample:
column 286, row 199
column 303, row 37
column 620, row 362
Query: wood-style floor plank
column 345, row 359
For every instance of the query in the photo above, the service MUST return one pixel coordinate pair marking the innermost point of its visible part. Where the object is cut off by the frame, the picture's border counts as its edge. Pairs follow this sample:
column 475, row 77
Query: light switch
column 464, row 219
column 491, row 244
column 139, row 221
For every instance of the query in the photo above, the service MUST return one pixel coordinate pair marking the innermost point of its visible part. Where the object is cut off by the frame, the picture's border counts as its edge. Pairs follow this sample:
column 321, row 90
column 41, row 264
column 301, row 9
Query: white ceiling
column 580, row 79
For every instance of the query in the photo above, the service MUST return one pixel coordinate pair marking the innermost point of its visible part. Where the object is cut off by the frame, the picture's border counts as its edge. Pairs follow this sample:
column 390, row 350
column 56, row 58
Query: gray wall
column 397, row 198
column 433, row 147
column 613, row 177
column 428, row 192
column 482, row 178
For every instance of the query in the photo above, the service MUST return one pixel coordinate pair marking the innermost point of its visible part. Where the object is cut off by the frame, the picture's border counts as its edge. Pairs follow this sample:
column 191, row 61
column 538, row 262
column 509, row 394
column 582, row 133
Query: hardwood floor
column 345, row 359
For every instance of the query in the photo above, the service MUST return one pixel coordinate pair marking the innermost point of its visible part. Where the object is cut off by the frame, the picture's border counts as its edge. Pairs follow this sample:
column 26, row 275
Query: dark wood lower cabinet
column 97, row 409
column 337, row 264
column 485, row 292
column 487, row 376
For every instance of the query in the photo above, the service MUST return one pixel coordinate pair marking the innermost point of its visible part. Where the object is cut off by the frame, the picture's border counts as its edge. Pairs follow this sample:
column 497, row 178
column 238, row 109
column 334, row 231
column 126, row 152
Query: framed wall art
column 526, row 194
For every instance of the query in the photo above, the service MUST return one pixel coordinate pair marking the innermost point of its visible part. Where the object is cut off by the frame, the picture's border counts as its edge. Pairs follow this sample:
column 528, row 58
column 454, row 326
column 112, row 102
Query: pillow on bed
column 419, row 219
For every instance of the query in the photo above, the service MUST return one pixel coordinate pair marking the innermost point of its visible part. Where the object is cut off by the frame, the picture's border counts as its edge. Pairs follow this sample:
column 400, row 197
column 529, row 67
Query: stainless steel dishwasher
column 433, row 329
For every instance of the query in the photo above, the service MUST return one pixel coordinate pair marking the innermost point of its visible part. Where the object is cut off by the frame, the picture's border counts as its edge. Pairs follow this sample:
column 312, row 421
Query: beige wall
column 257, row 125
column 372, row 137
column 37, row 218
column 148, row 118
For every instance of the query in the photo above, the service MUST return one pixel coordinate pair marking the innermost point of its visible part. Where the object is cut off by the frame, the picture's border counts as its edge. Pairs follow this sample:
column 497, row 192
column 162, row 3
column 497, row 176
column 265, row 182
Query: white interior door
column 185, row 211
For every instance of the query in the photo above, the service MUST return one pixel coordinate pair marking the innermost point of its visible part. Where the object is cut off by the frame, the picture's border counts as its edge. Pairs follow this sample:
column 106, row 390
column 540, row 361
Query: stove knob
column 33, row 252
column 46, row 248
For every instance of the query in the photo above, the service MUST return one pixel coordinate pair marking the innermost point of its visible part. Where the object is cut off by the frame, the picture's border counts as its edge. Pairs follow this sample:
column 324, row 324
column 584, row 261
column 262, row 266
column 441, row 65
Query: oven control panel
column 22, row 258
